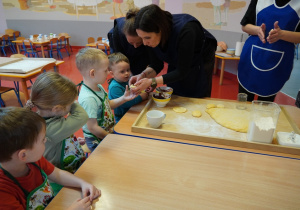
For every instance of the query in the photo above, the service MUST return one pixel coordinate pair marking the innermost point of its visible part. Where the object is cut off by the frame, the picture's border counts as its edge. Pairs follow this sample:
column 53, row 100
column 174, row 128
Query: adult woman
column 184, row 44
column 266, row 62
column 123, row 38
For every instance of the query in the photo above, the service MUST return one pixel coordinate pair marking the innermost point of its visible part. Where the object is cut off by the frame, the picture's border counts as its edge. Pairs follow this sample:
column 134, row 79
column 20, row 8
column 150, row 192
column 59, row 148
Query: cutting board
column 205, row 129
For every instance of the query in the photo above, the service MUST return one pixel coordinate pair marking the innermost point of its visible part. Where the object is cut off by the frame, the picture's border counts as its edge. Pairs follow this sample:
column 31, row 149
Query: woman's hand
column 141, row 85
column 274, row 34
column 81, row 204
column 90, row 191
column 261, row 33
column 136, row 78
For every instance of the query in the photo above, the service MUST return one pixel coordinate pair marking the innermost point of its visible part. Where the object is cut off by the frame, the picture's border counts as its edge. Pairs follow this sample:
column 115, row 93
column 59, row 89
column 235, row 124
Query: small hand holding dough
column 208, row 106
column 179, row 109
column 196, row 113
column 132, row 86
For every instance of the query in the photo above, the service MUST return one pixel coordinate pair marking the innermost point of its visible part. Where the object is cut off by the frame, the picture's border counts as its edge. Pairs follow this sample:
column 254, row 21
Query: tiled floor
column 228, row 90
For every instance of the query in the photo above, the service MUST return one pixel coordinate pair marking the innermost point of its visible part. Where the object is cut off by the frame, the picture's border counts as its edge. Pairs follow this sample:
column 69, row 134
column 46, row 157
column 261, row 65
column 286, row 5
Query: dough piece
column 208, row 106
column 196, row 113
column 179, row 109
column 234, row 119
column 220, row 106
column 132, row 86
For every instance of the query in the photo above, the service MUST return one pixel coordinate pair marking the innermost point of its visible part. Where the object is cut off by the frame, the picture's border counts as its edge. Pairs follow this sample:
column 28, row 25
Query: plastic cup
column 242, row 101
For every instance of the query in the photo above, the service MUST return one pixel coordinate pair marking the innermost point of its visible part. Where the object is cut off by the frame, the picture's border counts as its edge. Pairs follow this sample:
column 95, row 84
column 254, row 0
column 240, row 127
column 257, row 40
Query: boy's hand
column 129, row 95
column 79, row 204
column 90, row 190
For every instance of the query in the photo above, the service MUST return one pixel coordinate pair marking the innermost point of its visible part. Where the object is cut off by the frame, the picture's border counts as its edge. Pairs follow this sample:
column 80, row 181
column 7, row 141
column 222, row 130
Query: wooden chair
column 5, row 43
column 53, row 48
column 90, row 40
column 66, row 34
column 62, row 44
column 49, row 67
column 103, row 47
column 5, row 90
column 29, row 49
column 9, row 31
column 99, row 38
column 35, row 36
column 16, row 34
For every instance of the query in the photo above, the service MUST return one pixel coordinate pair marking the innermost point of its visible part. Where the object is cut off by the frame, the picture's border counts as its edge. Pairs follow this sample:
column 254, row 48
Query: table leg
column 68, row 45
column 222, row 71
column 42, row 49
column 18, row 48
column 216, row 65
column 25, row 90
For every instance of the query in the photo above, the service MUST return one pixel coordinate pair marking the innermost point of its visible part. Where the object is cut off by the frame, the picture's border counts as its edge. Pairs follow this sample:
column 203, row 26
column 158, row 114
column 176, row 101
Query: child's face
column 101, row 72
column 38, row 149
column 121, row 71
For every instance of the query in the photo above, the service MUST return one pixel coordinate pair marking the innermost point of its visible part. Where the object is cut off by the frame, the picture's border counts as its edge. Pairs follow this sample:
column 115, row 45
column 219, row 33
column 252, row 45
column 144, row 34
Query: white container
column 285, row 138
column 31, row 37
column 155, row 118
column 263, row 120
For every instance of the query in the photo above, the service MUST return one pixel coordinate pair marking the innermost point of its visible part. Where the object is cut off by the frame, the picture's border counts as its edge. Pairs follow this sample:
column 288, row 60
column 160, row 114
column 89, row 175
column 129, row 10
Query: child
column 120, row 69
column 54, row 97
column 24, row 171
column 93, row 66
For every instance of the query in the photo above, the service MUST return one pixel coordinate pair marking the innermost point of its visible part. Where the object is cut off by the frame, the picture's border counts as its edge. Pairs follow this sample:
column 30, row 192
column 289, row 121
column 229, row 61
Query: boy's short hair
column 89, row 58
column 116, row 58
column 19, row 129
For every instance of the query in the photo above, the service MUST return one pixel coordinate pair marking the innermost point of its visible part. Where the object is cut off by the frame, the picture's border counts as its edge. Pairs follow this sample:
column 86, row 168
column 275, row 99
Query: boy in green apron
column 93, row 66
column 24, row 172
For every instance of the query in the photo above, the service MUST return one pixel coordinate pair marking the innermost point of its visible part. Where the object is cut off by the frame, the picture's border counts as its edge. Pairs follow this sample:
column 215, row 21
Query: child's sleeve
column 62, row 128
column 44, row 164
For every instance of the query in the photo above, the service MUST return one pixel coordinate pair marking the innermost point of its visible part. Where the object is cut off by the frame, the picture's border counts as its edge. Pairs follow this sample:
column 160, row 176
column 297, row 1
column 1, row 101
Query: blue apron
column 264, row 68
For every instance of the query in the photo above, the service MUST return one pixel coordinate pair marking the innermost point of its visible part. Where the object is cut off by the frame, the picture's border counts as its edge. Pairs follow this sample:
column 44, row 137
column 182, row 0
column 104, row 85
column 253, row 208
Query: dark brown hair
column 116, row 58
column 152, row 18
column 19, row 129
column 128, row 28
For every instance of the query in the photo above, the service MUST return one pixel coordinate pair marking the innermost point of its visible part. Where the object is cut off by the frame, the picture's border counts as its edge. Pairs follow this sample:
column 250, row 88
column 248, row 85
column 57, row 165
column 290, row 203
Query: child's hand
column 90, row 190
column 81, row 140
column 129, row 95
column 79, row 204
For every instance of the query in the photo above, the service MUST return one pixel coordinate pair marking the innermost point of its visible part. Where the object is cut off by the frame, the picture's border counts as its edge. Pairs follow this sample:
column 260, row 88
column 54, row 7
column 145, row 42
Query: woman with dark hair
column 123, row 38
column 182, row 42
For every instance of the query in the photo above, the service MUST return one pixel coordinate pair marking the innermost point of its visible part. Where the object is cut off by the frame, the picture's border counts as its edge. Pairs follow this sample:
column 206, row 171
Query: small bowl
column 164, row 89
column 161, row 100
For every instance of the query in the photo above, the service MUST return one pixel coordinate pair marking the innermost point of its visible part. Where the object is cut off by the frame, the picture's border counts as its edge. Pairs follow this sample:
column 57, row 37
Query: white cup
column 155, row 118
column 54, row 35
column 31, row 37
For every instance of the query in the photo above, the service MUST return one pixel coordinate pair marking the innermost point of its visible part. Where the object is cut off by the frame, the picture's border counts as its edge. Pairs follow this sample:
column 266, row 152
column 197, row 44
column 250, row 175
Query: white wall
column 3, row 24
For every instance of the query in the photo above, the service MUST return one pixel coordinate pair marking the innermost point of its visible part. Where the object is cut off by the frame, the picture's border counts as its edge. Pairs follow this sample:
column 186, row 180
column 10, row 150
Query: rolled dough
column 234, row 119
column 196, row 113
column 179, row 109
column 208, row 106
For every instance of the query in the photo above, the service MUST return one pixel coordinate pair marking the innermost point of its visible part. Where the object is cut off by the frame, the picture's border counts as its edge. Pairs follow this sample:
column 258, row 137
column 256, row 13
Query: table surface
column 124, row 127
column 139, row 173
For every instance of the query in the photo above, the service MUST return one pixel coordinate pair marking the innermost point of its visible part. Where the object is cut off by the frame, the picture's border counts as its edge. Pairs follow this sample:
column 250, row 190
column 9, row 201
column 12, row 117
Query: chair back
column 99, row 38
column 16, row 34
column 35, row 36
column 102, row 46
column 48, row 67
column 18, row 56
column 9, row 31
column 90, row 40
column 20, row 38
column 63, row 34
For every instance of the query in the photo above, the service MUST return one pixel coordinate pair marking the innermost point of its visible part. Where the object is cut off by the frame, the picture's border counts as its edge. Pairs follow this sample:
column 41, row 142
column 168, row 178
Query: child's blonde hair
column 116, row 58
column 51, row 89
column 89, row 58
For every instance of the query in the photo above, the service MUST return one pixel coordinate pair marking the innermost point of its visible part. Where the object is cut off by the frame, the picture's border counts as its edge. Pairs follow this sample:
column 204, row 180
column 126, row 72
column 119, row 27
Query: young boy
column 24, row 172
column 93, row 66
column 120, row 69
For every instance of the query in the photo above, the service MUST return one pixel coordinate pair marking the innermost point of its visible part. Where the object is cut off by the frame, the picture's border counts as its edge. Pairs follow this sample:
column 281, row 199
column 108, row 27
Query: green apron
column 38, row 198
column 106, row 120
column 72, row 155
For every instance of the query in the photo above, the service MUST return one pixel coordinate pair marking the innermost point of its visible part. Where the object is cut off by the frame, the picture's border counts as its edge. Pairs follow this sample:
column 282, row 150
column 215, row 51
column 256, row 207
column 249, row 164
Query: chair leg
column 18, row 97
column 2, row 104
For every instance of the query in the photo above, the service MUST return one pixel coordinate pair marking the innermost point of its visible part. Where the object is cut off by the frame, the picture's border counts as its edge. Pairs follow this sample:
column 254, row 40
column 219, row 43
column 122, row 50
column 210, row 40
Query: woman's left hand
column 141, row 85
column 274, row 34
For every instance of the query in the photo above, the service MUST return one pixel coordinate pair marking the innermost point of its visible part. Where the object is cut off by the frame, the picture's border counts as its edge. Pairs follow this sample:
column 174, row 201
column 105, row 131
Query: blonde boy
column 120, row 69
column 93, row 66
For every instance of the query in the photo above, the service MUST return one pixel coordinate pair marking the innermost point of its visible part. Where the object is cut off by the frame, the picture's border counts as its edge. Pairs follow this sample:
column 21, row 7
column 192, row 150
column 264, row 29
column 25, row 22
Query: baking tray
column 205, row 129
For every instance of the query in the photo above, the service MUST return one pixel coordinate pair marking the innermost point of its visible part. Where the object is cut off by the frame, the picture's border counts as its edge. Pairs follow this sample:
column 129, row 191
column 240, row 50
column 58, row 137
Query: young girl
column 53, row 95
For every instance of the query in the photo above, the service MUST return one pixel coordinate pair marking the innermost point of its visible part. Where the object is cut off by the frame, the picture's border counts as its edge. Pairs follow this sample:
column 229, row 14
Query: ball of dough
column 220, row 106
column 196, row 113
column 208, row 106
column 132, row 86
column 179, row 109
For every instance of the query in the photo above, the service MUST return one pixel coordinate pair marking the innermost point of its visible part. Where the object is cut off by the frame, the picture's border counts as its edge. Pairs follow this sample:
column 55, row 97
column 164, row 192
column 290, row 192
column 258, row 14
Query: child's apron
column 72, row 155
column 264, row 68
column 106, row 120
column 38, row 198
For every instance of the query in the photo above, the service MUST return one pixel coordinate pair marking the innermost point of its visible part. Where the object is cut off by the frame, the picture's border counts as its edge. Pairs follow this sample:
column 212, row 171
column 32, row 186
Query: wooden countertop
column 139, row 173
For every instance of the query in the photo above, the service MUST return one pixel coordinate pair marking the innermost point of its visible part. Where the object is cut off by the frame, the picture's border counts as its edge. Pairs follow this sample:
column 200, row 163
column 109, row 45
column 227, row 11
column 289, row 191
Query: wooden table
column 223, row 65
column 42, row 43
column 23, row 78
column 139, row 173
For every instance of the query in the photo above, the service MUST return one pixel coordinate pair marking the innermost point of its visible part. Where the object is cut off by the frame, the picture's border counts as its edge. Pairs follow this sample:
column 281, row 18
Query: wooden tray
column 205, row 129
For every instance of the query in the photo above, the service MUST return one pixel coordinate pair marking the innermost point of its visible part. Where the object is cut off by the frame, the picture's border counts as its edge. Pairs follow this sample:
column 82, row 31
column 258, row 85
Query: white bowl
column 161, row 102
column 283, row 138
column 164, row 89
column 230, row 51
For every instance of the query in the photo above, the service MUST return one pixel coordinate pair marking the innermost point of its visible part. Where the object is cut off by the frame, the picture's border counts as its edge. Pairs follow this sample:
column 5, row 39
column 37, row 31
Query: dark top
column 250, row 15
column 138, row 57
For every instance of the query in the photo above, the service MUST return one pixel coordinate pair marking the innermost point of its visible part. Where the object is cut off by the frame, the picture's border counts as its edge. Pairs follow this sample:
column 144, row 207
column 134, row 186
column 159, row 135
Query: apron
column 38, row 198
column 72, row 155
column 264, row 68
column 106, row 119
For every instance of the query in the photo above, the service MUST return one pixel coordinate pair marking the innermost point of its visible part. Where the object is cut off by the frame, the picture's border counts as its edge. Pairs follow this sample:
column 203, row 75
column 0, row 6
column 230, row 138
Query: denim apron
column 38, row 198
column 264, row 68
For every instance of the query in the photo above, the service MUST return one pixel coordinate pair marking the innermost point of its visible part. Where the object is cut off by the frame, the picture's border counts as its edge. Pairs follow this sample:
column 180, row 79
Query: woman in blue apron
column 268, row 54
column 182, row 42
